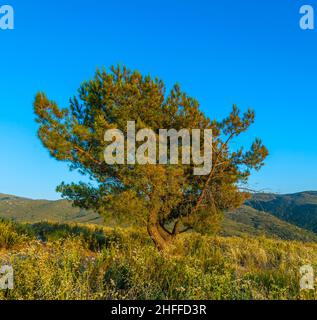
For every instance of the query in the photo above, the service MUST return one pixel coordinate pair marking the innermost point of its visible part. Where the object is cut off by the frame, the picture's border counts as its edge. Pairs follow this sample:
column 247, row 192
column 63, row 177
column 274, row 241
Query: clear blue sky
column 251, row 53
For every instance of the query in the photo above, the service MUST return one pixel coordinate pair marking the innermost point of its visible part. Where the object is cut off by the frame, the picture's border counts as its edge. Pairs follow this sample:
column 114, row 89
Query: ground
column 73, row 261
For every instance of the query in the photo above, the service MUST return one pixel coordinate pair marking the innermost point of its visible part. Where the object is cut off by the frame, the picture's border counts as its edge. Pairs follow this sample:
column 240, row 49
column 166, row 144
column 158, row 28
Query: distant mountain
column 247, row 220
column 27, row 210
column 244, row 221
column 299, row 209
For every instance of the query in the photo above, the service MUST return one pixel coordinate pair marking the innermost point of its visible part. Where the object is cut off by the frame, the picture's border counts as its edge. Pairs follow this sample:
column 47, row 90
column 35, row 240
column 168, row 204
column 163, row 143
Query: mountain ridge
column 298, row 208
column 257, row 217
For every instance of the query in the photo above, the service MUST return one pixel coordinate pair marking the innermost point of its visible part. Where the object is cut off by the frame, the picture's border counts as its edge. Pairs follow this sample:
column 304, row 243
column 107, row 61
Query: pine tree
column 168, row 199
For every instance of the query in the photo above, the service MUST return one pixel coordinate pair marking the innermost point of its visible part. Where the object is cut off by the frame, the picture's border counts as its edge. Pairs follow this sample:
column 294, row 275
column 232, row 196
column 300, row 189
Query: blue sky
column 251, row 53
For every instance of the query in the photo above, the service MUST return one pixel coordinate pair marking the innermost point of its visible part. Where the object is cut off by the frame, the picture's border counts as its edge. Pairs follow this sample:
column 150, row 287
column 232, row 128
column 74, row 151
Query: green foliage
column 129, row 266
column 12, row 234
column 155, row 194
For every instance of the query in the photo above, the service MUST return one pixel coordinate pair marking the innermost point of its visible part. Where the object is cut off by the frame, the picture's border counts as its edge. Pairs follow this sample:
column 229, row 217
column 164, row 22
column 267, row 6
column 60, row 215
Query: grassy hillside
column 249, row 221
column 53, row 261
column 299, row 208
column 244, row 221
column 27, row 210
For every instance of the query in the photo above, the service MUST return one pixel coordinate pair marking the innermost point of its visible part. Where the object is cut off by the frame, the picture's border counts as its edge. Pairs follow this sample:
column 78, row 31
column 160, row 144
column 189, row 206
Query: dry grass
column 53, row 261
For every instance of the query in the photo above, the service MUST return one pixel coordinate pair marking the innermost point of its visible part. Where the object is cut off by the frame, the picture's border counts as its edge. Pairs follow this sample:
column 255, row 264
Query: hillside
column 299, row 209
column 27, row 210
column 54, row 261
column 249, row 221
column 245, row 221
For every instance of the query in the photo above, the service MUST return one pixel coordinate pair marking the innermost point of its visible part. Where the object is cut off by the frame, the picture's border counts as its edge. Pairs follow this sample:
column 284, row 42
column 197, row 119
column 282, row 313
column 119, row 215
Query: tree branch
column 202, row 195
column 87, row 154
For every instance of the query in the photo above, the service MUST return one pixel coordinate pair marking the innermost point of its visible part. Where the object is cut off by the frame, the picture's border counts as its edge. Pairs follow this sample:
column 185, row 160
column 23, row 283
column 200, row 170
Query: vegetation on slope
column 248, row 221
column 299, row 208
column 53, row 261
column 244, row 221
column 28, row 210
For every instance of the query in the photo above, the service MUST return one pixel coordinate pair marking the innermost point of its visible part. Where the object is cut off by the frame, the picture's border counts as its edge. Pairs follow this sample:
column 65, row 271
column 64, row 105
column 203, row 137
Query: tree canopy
column 168, row 199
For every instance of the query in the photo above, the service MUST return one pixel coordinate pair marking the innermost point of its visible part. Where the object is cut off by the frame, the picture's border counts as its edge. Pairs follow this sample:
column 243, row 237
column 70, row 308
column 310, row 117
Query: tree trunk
column 165, row 234
column 160, row 236
column 175, row 229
